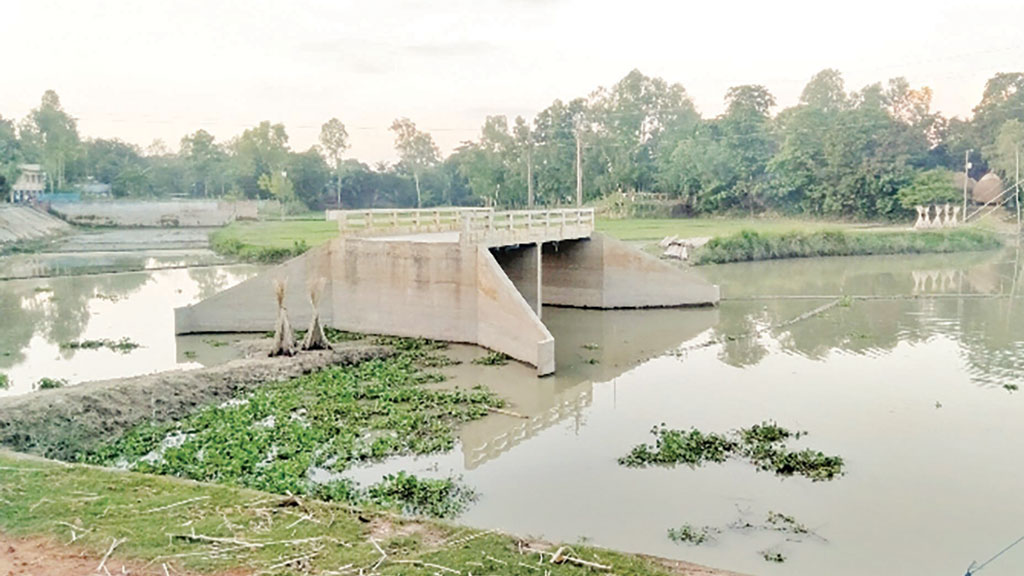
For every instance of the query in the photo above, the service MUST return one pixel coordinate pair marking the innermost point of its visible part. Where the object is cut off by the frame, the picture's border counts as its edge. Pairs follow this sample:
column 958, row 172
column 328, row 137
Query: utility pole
column 1017, row 185
column 967, row 167
column 529, row 174
column 579, row 170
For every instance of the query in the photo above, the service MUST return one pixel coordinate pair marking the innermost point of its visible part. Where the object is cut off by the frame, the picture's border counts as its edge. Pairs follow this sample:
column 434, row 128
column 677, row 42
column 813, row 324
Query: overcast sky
column 140, row 70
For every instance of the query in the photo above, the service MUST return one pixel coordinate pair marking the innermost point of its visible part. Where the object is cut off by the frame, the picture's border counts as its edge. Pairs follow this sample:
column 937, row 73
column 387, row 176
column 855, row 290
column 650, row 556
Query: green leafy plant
column 690, row 534
column 124, row 345
column 50, row 383
column 492, row 359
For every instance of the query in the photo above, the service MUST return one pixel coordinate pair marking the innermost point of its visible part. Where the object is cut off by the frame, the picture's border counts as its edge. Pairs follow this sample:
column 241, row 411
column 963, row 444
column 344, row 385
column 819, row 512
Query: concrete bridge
column 456, row 274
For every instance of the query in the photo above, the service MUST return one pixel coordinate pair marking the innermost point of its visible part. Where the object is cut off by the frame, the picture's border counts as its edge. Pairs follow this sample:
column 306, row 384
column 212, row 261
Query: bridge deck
column 481, row 226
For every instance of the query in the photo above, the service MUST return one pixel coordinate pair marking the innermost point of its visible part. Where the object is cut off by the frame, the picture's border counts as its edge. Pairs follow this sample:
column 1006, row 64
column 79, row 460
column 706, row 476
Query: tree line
column 869, row 153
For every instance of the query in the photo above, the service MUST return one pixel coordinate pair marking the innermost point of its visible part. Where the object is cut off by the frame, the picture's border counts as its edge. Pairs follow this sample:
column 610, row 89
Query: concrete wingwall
column 442, row 291
column 251, row 306
column 603, row 272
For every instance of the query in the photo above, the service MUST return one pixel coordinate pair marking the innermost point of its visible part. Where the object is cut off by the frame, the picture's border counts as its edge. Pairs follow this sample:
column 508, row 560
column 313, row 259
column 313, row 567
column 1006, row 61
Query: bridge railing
column 407, row 221
column 475, row 225
column 527, row 226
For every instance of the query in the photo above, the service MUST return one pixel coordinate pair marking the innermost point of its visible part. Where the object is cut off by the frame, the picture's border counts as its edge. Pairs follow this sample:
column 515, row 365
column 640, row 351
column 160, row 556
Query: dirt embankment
column 61, row 423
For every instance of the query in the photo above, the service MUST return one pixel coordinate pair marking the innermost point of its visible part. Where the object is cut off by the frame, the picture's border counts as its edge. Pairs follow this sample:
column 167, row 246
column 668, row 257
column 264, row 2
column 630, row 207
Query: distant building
column 95, row 189
column 29, row 185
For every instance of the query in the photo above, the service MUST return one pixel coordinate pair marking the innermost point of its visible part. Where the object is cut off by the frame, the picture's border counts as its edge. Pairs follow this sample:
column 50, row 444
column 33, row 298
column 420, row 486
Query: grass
column 271, row 241
column 169, row 521
column 763, row 445
column 749, row 245
column 654, row 229
column 329, row 420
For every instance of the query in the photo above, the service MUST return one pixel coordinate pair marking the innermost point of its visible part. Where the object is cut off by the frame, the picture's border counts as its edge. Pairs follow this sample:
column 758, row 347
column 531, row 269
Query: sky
column 159, row 69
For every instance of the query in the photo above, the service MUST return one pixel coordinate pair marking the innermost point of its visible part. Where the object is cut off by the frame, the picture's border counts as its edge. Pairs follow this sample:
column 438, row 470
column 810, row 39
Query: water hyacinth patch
column 763, row 445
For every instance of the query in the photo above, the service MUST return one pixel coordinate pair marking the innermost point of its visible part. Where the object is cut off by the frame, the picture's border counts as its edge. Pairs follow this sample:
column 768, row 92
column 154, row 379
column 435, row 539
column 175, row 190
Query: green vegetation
column 653, row 230
column 772, row 556
column 190, row 354
column 689, row 534
column 178, row 523
column 492, row 359
column 50, row 383
column 271, row 241
column 748, row 245
column 124, row 345
column 443, row 498
column 763, row 445
column 783, row 523
column 5, row 383
column 214, row 343
column 329, row 420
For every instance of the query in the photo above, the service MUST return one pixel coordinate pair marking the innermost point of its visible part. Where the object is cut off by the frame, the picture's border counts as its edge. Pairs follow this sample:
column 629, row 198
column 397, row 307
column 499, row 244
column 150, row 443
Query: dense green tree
column 204, row 159
column 10, row 156
column 259, row 151
column 52, row 134
column 310, row 175
column 935, row 186
column 334, row 142
column 417, row 151
column 118, row 164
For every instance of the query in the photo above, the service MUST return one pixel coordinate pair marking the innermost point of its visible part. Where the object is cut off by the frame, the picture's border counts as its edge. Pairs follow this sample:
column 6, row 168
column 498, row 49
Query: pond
column 907, row 367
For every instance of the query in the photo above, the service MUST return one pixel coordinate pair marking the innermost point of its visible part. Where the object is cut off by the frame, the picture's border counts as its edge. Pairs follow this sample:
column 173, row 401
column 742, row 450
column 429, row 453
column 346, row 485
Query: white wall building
column 29, row 185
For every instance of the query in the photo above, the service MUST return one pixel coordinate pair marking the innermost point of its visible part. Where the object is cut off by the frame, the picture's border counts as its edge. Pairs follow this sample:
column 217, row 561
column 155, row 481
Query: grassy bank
column 750, row 245
column 654, row 229
column 271, row 241
column 190, row 526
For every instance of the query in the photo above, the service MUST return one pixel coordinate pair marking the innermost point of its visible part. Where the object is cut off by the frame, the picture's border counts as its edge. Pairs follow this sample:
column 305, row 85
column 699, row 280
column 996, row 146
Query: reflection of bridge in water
column 592, row 346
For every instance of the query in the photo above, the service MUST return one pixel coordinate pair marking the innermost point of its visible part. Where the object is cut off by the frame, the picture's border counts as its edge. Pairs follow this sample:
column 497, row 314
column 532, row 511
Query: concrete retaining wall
column 24, row 223
column 131, row 213
column 252, row 305
column 603, row 272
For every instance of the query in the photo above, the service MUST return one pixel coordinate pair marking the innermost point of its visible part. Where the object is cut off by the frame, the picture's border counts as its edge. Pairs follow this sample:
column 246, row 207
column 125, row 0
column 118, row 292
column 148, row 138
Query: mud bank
column 63, row 422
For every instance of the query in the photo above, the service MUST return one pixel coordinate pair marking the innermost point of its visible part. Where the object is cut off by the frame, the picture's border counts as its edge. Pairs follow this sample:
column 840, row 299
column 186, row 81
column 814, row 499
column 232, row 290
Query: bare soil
column 63, row 422
column 40, row 556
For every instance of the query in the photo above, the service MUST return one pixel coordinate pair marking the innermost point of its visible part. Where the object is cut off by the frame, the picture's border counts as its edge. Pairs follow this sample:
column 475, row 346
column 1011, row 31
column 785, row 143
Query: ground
column 189, row 527
column 278, row 233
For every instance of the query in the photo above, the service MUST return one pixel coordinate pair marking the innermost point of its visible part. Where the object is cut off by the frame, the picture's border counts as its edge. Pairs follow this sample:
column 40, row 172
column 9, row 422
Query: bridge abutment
column 473, row 288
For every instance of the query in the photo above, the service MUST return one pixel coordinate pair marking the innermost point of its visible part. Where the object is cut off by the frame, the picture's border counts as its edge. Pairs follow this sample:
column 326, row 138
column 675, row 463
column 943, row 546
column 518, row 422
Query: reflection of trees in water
column 58, row 315
column 989, row 331
column 210, row 280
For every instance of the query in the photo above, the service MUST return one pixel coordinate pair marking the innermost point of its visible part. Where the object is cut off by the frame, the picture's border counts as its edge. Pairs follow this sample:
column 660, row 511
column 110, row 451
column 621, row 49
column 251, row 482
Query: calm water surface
column 907, row 386
column 907, row 380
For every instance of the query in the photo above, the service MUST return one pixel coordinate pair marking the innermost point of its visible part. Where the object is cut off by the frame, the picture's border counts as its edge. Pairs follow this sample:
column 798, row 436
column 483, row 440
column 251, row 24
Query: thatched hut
column 987, row 189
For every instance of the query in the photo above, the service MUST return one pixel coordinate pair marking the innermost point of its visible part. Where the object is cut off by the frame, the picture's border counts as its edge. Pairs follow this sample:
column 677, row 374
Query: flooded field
column 907, row 367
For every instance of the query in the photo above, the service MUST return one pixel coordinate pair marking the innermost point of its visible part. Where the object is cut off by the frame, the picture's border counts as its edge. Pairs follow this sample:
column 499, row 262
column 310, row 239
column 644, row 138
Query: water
column 905, row 379
column 908, row 387
column 38, row 315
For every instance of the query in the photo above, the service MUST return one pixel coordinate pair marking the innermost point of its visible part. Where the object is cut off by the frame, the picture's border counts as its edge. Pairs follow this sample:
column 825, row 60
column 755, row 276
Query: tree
column 334, row 142
column 203, row 158
column 118, row 164
column 935, row 186
column 56, row 135
column 310, row 175
column 1002, row 154
column 634, row 122
column 10, row 156
column 416, row 150
column 259, row 151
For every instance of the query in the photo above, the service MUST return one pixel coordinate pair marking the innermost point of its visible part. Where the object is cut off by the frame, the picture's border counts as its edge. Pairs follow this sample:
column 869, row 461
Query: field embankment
column 66, row 422
column 24, row 224
column 749, row 245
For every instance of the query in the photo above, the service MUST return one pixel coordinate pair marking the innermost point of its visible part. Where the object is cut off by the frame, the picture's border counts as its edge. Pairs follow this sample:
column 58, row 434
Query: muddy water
column 905, row 380
column 38, row 315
